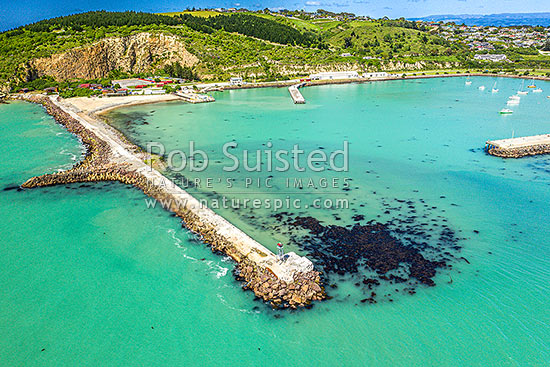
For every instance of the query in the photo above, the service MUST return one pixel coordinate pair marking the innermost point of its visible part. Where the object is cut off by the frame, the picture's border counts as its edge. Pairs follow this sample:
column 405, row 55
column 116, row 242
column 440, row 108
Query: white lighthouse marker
column 280, row 252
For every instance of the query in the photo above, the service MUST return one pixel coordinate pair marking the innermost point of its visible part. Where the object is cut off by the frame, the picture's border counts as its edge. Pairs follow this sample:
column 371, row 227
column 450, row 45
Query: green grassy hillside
column 254, row 45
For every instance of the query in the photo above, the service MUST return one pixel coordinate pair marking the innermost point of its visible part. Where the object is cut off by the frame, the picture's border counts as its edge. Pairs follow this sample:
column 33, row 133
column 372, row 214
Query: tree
column 175, row 70
column 347, row 42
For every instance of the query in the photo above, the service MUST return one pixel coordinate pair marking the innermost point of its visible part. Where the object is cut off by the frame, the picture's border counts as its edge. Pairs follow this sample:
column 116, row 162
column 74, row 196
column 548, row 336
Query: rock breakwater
column 291, row 282
column 519, row 152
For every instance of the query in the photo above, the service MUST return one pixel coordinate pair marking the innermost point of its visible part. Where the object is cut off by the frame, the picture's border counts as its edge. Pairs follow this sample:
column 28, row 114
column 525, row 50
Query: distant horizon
column 481, row 15
column 10, row 20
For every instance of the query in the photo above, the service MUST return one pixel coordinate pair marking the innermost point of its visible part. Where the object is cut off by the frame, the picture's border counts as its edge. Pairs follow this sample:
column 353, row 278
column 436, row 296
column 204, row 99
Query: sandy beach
column 99, row 105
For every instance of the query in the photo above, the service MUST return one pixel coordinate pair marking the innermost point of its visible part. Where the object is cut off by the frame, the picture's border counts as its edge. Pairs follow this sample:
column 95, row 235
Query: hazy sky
column 18, row 12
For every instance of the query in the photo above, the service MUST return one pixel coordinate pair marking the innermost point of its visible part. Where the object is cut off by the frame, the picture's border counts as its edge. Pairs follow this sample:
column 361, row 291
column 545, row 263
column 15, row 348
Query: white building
column 237, row 80
column 491, row 57
column 335, row 75
column 126, row 83
column 153, row 91
column 378, row 74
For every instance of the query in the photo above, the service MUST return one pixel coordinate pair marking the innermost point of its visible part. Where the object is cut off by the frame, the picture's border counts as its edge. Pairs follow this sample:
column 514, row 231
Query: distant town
column 484, row 40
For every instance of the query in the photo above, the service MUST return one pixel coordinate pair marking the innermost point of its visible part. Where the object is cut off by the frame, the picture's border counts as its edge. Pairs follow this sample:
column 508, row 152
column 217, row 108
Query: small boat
column 513, row 102
column 494, row 90
column 538, row 90
column 514, row 97
column 531, row 86
column 522, row 93
column 468, row 83
column 481, row 88
column 506, row 111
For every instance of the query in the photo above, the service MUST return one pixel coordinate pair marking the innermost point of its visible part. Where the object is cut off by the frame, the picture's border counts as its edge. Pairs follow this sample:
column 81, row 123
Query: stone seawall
column 519, row 152
column 291, row 282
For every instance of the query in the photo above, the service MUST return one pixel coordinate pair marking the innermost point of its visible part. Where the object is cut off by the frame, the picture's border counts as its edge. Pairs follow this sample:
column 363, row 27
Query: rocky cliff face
column 135, row 53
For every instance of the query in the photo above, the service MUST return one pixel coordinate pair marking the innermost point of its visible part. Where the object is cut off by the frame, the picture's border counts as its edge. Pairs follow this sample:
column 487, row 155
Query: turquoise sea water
column 94, row 277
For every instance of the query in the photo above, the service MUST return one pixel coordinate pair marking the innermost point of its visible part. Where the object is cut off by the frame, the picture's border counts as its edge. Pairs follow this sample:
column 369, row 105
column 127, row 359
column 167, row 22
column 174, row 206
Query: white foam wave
column 218, row 270
column 243, row 310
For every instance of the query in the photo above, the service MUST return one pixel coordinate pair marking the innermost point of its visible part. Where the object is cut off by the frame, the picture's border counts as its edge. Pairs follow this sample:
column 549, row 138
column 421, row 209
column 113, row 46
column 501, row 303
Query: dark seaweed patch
column 345, row 251
column 407, row 251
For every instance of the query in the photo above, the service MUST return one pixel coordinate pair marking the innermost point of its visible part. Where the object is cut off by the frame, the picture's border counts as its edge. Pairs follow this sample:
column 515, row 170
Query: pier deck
column 519, row 147
column 195, row 97
column 295, row 93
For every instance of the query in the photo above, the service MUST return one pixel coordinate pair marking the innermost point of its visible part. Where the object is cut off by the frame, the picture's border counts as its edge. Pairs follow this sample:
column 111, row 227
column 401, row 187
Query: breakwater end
column 519, row 147
column 289, row 282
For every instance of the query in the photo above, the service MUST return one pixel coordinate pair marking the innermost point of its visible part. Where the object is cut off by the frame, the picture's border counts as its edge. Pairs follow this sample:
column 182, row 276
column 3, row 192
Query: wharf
column 295, row 93
column 519, row 147
column 192, row 97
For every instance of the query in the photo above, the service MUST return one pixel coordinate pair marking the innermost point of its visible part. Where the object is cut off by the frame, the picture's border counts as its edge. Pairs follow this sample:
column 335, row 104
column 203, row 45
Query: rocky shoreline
column 256, row 268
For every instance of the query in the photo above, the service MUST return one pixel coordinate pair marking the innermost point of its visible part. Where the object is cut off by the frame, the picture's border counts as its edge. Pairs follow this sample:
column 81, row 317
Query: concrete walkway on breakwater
column 519, row 147
column 295, row 93
column 289, row 283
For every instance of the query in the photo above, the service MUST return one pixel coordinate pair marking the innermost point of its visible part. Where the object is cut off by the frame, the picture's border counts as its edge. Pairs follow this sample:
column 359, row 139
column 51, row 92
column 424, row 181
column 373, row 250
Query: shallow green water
column 93, row 277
